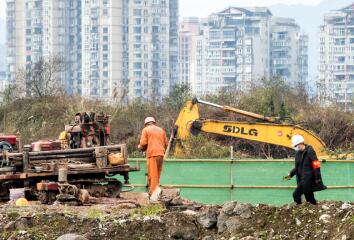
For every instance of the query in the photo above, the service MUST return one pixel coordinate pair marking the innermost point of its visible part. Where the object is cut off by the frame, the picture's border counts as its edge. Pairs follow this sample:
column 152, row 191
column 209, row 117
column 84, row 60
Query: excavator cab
column 264, row 129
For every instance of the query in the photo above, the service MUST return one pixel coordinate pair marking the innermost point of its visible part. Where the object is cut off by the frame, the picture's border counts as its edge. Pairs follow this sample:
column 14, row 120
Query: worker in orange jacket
column 154, row 141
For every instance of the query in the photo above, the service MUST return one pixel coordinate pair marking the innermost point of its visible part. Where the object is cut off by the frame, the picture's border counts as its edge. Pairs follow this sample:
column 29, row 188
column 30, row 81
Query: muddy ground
column 132, row 217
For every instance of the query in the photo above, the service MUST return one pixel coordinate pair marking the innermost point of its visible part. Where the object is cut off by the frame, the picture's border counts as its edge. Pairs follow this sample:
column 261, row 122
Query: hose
column 130, row 188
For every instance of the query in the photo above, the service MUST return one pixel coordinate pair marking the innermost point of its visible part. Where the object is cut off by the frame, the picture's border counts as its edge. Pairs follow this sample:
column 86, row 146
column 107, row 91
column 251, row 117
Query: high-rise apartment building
column 43, row 29
column 336, row 66
column 288, row 51
column 153, row 48
column 2, row 81
column 114, row 49
column 102, row 49
column 236, row 47
column 188, row 30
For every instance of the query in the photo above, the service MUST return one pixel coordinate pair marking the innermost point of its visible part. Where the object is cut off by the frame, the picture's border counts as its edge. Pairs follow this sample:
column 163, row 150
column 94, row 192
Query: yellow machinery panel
column 266, row 132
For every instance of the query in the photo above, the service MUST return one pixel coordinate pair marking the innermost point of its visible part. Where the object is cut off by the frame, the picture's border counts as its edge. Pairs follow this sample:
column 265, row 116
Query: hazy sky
column 2, row 9
column 193, row 7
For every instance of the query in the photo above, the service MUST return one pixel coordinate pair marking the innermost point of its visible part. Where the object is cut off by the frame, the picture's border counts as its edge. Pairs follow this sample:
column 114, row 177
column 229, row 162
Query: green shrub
column 204, row 147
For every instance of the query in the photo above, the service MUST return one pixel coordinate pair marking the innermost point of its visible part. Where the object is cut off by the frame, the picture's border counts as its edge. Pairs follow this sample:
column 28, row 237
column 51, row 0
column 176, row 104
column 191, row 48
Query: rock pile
column 178, row 218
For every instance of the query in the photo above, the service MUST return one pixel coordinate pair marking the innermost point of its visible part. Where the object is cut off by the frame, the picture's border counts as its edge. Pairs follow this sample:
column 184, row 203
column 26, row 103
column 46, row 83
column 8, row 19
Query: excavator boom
column 277, row 134
column 268, row 131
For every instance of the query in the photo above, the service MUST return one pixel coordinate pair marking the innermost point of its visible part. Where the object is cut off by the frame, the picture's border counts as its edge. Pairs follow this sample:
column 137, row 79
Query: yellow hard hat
column 21, row 202
column 62, row 135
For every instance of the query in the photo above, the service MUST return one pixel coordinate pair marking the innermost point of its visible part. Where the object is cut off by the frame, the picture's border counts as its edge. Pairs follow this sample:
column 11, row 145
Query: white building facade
column 114, row 50
column 335, row 81
column 288, row 51
column 152, row 35
column 102, row 49
column 238, row 46
column 43, row 29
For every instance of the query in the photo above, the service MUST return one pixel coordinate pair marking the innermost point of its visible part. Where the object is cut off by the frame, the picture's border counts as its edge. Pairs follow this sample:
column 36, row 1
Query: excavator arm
column 268, row 131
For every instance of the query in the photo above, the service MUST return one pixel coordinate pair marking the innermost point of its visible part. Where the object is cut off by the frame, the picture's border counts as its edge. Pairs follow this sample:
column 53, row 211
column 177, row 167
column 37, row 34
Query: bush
column 44, row 118
column 203, row 147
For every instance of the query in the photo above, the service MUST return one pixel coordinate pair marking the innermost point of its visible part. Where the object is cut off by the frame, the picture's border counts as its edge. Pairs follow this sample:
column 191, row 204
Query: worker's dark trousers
column 310, row 197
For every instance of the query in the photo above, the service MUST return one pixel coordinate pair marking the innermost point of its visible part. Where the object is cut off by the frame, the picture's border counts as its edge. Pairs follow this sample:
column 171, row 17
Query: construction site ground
column 133, row 217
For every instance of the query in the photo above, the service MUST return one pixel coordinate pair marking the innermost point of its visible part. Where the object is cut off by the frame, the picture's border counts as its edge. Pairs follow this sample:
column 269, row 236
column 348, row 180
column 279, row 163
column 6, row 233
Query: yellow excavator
column 264, row 129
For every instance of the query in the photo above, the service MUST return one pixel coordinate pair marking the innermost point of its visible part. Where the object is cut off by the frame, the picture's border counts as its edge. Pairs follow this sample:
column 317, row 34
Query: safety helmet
column 297, row 139
column 21, row 202
column 148, row 120
column 63, row 135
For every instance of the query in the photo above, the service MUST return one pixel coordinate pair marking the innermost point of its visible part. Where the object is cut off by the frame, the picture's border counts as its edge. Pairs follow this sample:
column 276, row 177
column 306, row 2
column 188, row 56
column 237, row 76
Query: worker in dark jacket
column 307, row 171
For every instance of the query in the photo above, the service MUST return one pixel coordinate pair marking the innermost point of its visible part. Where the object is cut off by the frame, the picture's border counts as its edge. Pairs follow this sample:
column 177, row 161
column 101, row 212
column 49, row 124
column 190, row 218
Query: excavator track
column 97, row 188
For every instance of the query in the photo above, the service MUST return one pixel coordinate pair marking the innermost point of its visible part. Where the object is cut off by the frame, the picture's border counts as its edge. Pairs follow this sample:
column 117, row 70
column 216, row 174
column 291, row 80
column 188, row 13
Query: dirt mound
column 327, row 220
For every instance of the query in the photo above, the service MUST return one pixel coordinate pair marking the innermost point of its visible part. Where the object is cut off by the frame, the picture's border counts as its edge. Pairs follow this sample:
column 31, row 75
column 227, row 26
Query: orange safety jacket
column 155, row 139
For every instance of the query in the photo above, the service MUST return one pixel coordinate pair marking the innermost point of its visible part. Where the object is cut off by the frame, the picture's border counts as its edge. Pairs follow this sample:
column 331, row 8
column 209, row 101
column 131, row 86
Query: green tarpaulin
column 211, row 181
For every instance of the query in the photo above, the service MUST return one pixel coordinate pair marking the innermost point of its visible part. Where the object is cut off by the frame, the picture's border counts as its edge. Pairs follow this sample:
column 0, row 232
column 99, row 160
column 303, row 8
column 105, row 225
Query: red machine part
column 47, row 186
column 45, row 145
column 9, row 138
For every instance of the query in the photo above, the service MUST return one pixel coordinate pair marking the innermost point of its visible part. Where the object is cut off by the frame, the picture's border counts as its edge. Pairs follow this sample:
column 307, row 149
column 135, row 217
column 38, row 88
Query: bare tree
column 42, row 78
column 9, row 94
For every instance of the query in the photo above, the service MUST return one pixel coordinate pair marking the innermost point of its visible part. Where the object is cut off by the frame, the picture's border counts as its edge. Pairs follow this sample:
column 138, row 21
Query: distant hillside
column 309, row 18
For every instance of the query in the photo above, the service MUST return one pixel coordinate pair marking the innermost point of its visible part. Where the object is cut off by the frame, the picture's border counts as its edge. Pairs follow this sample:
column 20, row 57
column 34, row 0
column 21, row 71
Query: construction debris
column 132, row 217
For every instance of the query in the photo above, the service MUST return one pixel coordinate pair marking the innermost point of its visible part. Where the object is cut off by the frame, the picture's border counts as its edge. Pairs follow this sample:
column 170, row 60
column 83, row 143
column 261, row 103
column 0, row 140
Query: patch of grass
column 149, row 210
column 13, row 214
column 94, row 213
column 38, row 233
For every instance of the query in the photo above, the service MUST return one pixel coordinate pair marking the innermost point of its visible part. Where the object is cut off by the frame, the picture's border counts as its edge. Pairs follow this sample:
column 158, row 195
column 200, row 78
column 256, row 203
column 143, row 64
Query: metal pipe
column 239, row 111
column 248, row 114
column 227, row 186
column 78, row 150
column 210, row 104
column 242, row 161
column 82, row 155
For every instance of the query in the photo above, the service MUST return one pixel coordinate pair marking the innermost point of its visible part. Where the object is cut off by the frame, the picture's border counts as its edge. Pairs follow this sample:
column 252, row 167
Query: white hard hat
column 149, row 119
column 297, row 139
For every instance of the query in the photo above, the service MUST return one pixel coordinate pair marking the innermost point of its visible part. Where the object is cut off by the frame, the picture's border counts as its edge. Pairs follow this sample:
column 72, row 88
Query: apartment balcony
column 229, row 39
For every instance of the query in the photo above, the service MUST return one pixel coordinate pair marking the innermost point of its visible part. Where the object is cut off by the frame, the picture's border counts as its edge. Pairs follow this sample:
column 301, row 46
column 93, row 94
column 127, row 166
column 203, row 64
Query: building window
column 138, row 38
column 138, row 21
column 105, row 47
column 155, row 29
column 137, row 65
column 214, row 35
column 137, row 12
column 137, row 29
column 228, row 33
column 105, row 30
